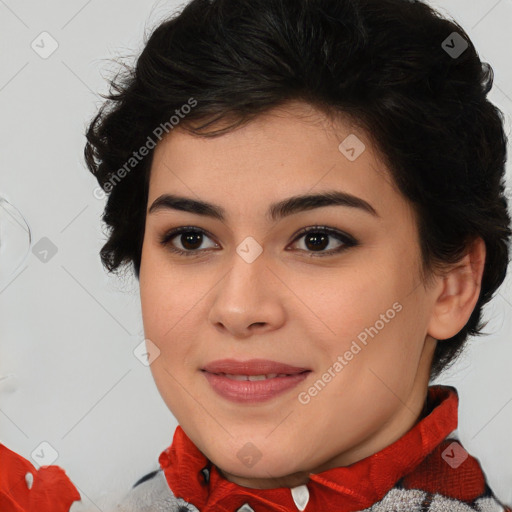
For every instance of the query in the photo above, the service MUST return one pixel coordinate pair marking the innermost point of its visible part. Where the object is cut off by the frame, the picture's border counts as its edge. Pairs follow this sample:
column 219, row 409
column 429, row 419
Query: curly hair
column 394, row 66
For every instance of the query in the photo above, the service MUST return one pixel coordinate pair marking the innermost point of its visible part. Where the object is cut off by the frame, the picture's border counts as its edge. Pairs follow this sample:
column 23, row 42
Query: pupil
column 318, row 240
column 189, row 239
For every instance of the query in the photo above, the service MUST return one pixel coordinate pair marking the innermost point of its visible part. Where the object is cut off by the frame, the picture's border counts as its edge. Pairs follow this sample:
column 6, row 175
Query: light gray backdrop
column 68, row 331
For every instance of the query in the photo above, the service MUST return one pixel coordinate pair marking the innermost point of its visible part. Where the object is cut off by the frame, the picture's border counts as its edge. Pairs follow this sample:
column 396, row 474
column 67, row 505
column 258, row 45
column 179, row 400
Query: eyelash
column 347, row 240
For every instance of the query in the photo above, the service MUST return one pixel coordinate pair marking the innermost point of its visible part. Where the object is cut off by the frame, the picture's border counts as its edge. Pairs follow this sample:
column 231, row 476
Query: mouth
column 260, row 368
column 254, row 378
column 257, row 380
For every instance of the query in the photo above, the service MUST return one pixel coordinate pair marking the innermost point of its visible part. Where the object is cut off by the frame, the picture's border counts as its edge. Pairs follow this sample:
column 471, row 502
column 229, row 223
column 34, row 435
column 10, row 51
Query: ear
column 458, row 293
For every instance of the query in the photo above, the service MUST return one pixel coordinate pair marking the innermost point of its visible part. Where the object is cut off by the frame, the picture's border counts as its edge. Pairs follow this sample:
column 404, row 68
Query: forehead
column 291, row 150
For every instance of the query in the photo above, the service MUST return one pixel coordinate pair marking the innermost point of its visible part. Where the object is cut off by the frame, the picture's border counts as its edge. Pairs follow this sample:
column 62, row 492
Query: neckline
column 192, row 477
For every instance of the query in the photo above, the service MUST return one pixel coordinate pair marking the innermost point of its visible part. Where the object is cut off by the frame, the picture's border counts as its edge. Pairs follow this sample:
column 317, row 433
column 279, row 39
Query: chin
column 254, row 477
column 257, row 468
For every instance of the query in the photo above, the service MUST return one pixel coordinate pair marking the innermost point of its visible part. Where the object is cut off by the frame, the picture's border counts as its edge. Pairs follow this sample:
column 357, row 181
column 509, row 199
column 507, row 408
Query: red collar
column 191, row 476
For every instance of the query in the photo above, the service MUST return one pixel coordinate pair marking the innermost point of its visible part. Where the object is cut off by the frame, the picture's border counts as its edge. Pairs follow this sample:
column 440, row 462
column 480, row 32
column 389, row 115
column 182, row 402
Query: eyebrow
column 276, row 211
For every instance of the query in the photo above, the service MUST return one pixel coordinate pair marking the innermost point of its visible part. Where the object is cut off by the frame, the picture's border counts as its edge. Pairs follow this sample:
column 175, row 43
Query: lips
column 251, row 392
column 253, row 381
column 252, row 367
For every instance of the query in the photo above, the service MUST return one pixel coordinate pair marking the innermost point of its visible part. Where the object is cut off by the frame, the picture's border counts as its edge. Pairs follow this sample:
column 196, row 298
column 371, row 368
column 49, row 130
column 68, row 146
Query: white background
column 68, row 330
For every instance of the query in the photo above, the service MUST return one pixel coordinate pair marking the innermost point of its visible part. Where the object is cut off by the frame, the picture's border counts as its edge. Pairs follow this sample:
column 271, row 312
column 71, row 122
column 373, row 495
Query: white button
column 29, row 478
column 300, row 496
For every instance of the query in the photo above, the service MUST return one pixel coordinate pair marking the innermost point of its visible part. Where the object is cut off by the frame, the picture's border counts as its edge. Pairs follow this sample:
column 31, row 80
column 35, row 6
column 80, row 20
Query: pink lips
column 251, row 391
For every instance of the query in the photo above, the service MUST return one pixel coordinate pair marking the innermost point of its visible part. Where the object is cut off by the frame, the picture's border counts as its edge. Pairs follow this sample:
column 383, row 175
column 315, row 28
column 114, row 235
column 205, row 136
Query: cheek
column 167, row 297
column 172, row 299
column 348, row 303
column 373, row 322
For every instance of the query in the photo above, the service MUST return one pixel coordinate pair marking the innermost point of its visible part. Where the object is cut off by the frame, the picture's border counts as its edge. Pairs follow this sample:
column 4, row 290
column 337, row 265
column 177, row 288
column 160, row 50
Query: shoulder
column 151, row 493
column 415, row 500
column 448, row 479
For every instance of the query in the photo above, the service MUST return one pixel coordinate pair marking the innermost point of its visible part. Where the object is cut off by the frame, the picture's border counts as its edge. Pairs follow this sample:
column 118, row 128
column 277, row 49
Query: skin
column 288, row 306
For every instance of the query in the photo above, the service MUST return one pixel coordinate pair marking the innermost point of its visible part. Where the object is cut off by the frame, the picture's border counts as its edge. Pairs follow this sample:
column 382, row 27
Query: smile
column 250, row 389
column 253, row 377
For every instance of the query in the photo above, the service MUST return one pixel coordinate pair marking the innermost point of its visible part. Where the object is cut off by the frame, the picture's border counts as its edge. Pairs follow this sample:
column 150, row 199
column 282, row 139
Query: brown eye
column 317, row 238
column 189, row 238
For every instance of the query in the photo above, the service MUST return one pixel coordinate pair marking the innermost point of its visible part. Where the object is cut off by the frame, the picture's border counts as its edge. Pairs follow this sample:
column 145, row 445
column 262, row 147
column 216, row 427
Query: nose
column 249, row 299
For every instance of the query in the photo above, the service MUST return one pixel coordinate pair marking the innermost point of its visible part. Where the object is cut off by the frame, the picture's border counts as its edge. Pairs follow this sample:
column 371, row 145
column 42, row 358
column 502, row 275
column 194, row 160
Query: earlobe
column 459, row 293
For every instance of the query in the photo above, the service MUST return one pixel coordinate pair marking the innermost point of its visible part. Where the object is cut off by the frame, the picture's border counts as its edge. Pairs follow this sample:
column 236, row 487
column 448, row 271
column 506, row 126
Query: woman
column 311, row 196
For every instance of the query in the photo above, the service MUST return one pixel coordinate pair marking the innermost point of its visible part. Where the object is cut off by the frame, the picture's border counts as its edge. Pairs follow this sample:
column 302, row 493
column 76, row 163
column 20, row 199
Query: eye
column 190, row 239
column 315, row 238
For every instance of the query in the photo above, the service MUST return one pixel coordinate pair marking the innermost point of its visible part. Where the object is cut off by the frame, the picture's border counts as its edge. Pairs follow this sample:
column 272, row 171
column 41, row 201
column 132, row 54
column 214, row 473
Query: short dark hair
column 390, row 65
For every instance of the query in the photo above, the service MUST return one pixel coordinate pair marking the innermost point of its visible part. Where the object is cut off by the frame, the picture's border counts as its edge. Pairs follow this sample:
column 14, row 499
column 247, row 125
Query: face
column 343, row 300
